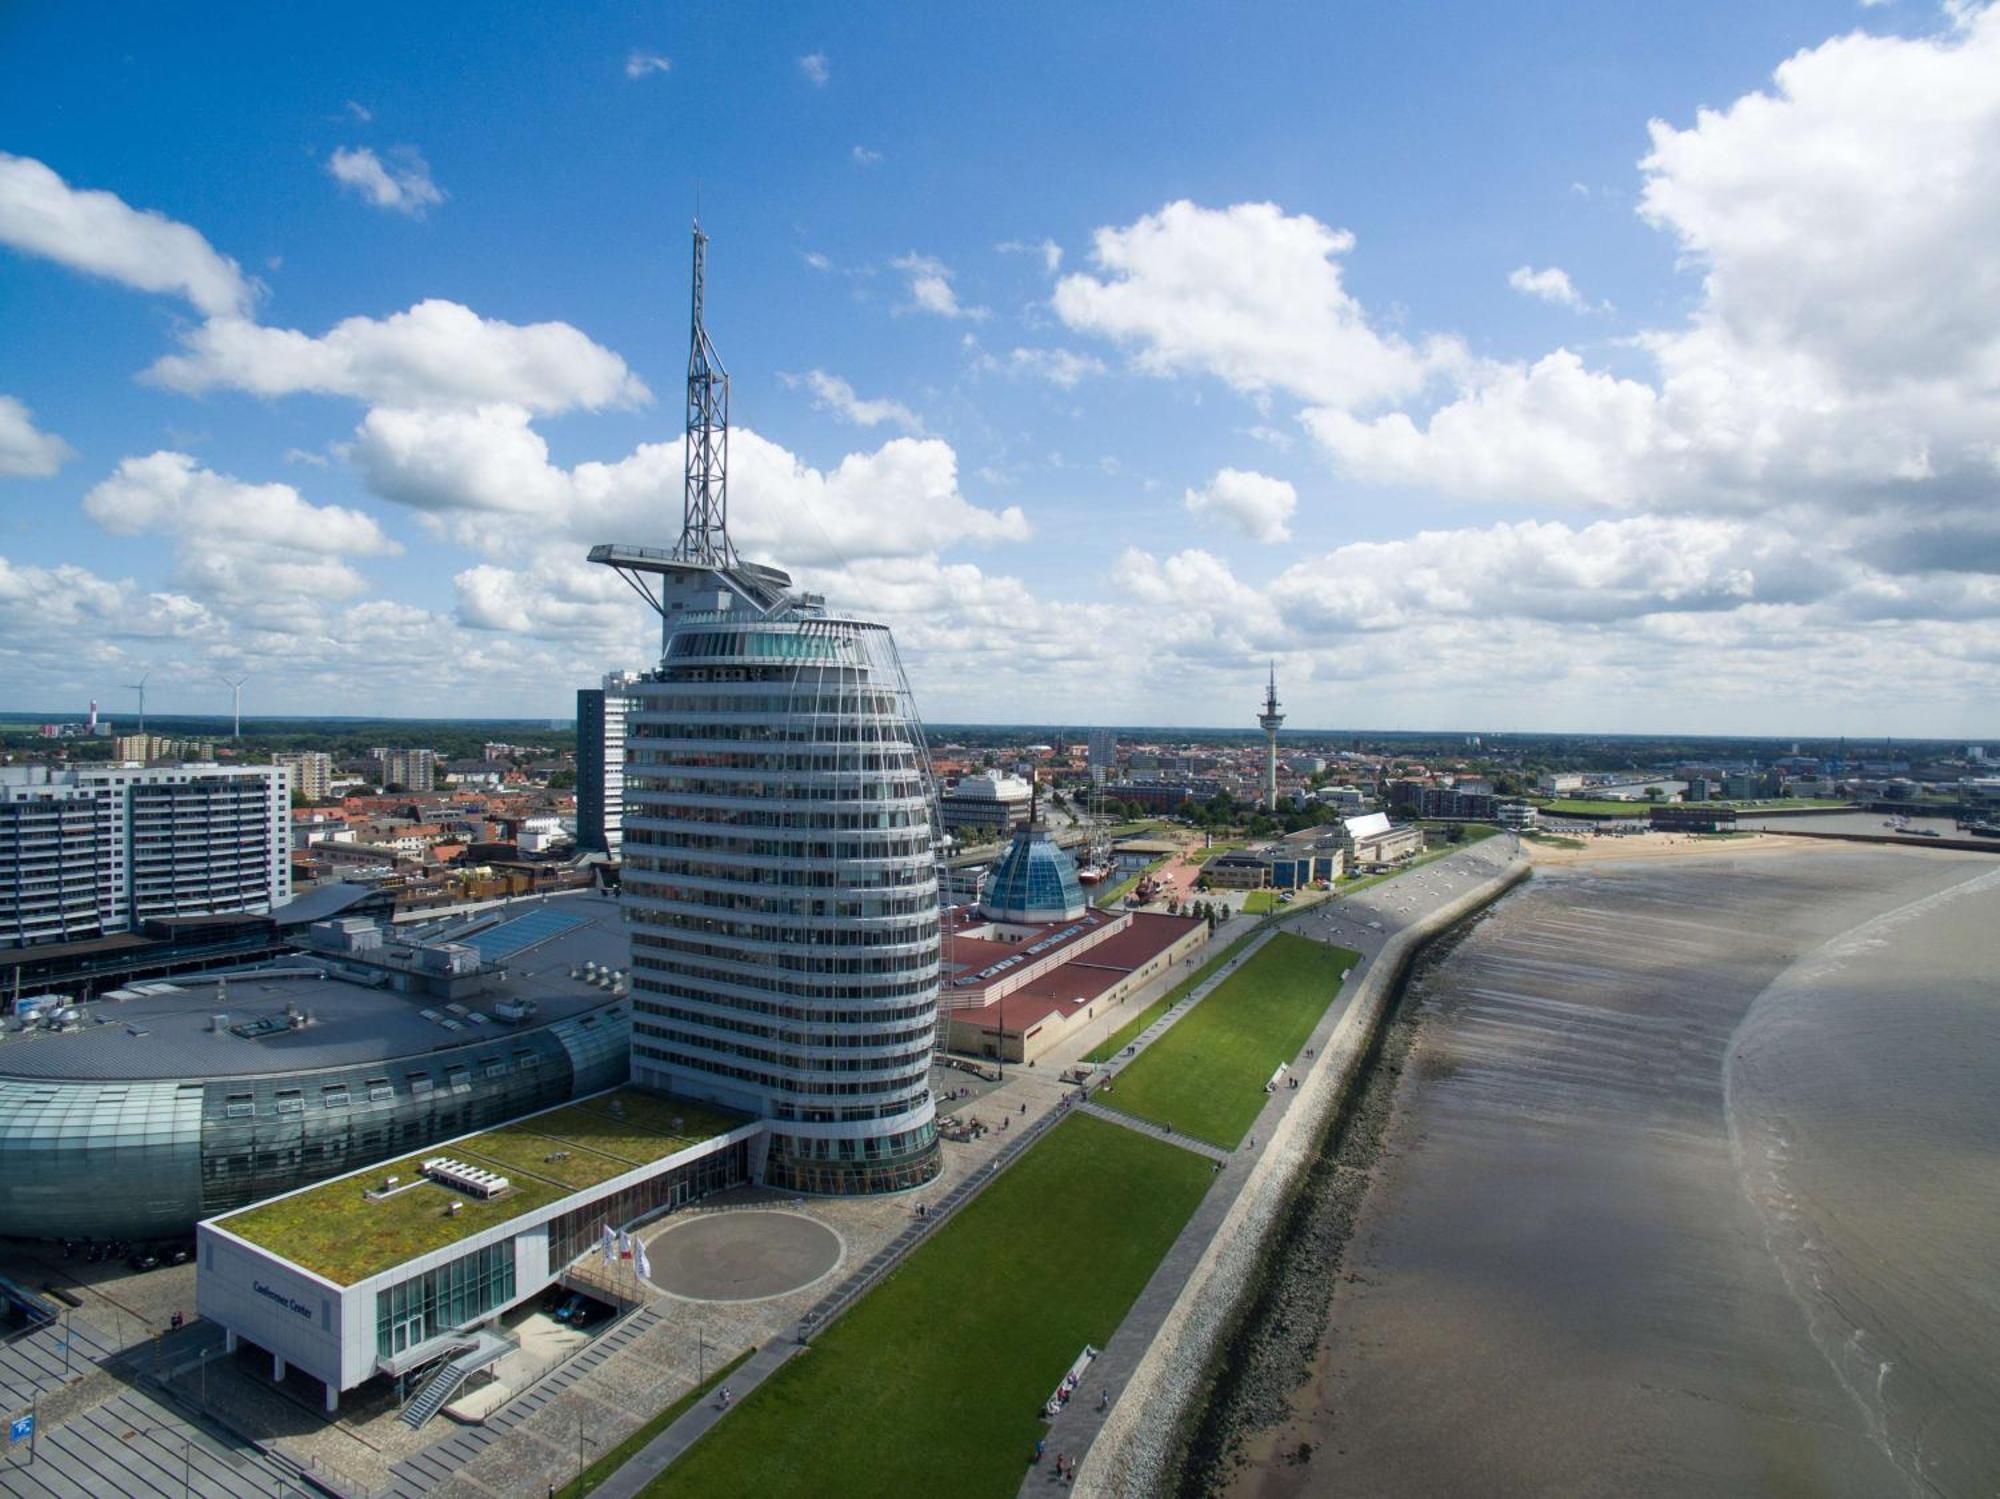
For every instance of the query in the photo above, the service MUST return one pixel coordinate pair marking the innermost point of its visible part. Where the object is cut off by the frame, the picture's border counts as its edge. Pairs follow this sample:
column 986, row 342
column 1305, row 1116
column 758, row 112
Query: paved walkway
column 1155, row 1131
column 419, row 1474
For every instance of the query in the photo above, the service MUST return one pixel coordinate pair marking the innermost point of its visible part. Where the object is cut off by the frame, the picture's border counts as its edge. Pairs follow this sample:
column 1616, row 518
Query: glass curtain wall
column 780, row 871
column 436, row 1302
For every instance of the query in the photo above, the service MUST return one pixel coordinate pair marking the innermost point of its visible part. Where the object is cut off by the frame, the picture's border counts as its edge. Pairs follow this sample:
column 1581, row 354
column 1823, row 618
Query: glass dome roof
column 1034, row 881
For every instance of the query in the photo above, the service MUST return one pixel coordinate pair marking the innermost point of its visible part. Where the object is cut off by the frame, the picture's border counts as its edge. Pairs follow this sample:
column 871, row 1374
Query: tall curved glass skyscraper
column 780, row 864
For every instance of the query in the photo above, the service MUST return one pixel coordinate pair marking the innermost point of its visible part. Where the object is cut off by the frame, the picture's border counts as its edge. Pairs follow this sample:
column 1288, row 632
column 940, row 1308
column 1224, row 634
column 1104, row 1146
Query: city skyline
column 1640, row 410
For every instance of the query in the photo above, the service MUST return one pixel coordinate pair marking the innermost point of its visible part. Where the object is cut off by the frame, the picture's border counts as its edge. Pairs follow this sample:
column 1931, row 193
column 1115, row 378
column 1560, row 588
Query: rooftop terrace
column 336, row 1230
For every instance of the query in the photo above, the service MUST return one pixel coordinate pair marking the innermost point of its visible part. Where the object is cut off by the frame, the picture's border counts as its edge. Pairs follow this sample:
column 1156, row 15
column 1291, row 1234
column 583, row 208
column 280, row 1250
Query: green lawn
column 1206, row 1075
column 934, row 1384
column 1119, row 1039
column 1220, row 846
column 1260, row 902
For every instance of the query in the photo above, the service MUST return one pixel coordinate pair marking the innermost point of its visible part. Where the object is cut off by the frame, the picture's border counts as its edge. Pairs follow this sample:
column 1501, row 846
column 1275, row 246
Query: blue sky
column 1568, row 367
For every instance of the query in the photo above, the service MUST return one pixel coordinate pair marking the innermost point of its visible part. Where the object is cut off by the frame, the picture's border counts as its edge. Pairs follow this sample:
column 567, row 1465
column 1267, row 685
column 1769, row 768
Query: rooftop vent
column 219, row 1024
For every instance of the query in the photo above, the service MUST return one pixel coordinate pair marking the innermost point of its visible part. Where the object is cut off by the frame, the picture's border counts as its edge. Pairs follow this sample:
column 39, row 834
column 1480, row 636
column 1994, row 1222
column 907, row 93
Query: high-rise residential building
column 50, row 858
column 163, row 841
column 780, row 866
column 600, row 763
column 411, row 769
column 312, row 772
column 1103, row 755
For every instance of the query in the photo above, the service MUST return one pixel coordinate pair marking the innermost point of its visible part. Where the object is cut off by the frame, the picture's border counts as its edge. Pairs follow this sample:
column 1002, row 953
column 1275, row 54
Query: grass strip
column 630, row 1448
column 934, row 1383
column 1206, row 1075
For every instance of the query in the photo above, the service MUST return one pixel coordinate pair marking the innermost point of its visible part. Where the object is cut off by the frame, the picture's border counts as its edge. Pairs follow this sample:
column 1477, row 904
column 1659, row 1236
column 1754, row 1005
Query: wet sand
column 1558, row 1282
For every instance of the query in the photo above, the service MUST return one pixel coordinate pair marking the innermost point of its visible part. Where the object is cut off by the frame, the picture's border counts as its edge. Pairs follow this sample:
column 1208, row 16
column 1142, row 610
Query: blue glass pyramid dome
column 1034, row 881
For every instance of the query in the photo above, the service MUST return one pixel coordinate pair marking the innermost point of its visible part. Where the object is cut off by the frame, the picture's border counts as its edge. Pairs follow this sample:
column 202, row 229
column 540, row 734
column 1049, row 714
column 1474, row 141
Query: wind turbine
column 236, row 703
column 140, row 688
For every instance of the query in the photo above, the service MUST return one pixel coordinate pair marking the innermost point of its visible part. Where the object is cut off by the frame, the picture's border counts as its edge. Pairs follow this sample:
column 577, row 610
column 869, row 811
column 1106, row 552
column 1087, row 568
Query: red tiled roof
column 1078, row 984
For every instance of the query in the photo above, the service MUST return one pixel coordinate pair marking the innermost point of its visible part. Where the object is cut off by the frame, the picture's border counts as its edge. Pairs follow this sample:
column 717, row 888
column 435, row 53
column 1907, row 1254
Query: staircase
column 459, row 1363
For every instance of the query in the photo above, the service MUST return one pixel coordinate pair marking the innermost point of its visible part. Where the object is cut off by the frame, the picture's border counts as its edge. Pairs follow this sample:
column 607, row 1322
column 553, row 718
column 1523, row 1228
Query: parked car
column 144, row 1260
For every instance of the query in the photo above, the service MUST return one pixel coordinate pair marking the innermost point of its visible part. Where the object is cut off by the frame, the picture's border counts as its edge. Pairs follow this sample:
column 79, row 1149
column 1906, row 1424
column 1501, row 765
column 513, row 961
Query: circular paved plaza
column 742, row 1256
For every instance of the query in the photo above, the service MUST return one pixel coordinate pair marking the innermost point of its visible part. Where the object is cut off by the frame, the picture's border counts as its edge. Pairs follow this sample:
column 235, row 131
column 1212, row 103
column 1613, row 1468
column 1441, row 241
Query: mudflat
column 1557, row 1282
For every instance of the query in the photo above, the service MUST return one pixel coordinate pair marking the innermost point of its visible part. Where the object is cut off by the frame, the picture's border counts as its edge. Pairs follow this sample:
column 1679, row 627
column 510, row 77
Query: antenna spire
column 705, row 498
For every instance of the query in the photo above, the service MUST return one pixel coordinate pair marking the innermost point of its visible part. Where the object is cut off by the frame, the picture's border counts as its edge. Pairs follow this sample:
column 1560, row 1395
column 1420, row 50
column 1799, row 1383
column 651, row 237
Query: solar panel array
column 503, row 941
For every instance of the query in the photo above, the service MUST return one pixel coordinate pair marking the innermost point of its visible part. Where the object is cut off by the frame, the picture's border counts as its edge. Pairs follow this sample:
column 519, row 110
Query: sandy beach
column 1561, row 1279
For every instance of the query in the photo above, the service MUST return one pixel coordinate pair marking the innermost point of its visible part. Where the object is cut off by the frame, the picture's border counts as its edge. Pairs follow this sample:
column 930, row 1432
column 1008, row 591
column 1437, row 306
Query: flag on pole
column 644, row 1265
column 624, row 1245
column 609, row 1245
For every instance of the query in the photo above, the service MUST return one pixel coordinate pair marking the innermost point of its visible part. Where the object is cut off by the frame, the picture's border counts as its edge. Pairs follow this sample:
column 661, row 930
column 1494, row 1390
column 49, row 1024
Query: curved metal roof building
column 164, row 1103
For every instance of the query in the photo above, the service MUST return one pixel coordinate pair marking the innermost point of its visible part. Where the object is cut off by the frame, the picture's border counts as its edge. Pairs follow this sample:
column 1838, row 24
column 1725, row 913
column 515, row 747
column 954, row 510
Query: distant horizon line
column 10, row 716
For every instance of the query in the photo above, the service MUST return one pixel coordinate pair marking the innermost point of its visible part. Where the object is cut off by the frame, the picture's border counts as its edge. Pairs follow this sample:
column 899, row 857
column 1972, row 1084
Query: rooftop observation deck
column 336, row 1230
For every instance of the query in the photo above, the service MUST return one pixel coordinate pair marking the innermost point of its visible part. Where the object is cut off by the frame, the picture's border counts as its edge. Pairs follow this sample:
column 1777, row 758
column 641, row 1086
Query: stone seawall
column 1132, row 1456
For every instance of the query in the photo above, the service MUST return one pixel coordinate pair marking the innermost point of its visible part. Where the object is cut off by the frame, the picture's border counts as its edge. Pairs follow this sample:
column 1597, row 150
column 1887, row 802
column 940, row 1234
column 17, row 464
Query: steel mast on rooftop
column 705, row 495
column 1270, row 720
column 704, row 557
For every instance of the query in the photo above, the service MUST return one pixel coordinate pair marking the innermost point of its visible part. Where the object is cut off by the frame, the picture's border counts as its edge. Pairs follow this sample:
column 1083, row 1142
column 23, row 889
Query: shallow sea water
column 1864, row 1091
column 1691, row 1190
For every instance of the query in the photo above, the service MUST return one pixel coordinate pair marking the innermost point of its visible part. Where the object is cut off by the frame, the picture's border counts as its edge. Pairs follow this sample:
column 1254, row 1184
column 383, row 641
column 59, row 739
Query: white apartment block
column 146, row 842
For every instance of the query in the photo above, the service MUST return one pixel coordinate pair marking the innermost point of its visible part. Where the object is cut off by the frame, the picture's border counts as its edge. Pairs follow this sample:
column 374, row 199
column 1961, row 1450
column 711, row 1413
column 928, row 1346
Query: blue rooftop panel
column 503, row 941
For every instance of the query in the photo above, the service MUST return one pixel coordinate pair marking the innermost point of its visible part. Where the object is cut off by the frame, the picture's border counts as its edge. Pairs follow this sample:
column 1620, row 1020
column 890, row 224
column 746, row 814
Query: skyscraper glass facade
column 780, row 876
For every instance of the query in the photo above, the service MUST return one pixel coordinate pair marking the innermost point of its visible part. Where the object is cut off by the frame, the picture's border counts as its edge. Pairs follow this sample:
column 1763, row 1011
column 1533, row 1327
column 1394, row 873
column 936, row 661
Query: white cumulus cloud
column 1255, row 504
column 900, row 500
column 930, row 288
column 1551, row 284
column 814, row 66
column 100, row 234
column 1249, row 294
column 401, row 185
column 25, row 452
column 638, row 64
column 831, row 393
column 437, row 352
column 1846, row 348
column 260, row 549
